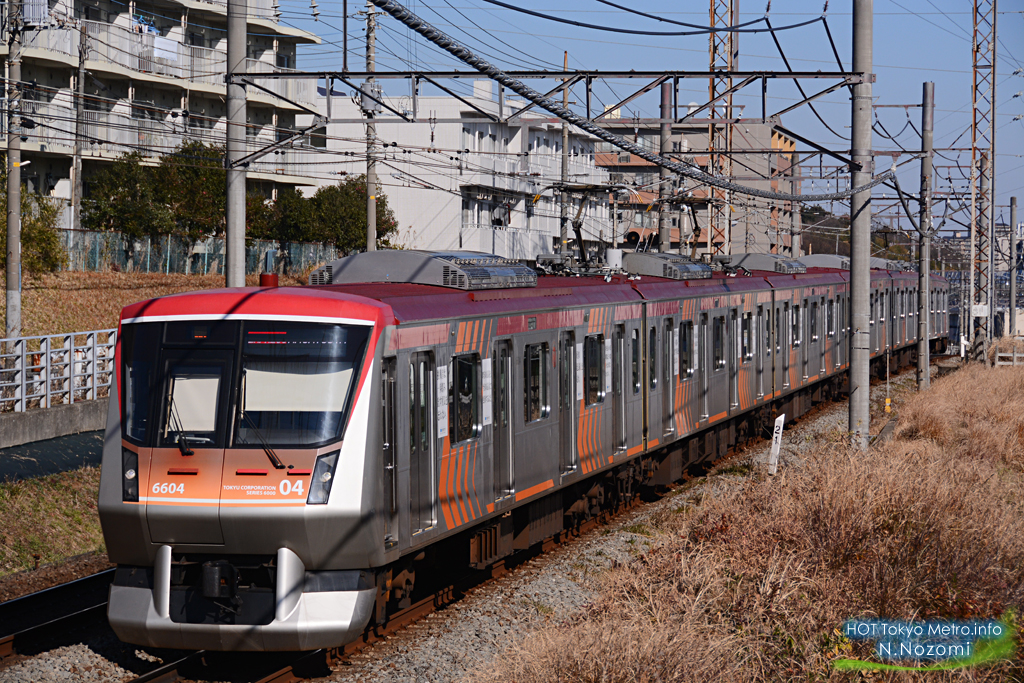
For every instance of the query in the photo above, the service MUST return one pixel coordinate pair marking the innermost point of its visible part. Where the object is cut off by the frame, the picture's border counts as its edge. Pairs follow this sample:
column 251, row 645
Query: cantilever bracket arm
column 318, row 122
column 375, row 99
column 647, row 88
column 824, row 150
column 489, row 115
column 561, row 86
column 745, row 82
column 246, row 81
column 810, row 99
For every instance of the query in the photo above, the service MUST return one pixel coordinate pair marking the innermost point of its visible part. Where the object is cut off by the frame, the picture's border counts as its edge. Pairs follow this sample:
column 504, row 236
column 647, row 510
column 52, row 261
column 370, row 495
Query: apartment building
column 762, row 159
column 464, row 179
column 154, row 79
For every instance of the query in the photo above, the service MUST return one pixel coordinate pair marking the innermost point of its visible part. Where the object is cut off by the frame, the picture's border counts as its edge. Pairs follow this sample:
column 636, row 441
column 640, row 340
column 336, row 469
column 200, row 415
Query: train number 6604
column 168, row 487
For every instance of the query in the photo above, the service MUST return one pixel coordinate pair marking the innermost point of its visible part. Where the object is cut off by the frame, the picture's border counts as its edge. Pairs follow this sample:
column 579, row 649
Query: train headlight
column 323, row 477
column 130, row 480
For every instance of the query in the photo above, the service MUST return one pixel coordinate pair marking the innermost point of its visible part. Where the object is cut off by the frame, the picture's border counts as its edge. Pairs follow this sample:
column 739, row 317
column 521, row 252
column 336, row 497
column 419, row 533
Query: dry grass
column 1005, row 345
column 752, row 582
column 54, row 517
column 73, row 302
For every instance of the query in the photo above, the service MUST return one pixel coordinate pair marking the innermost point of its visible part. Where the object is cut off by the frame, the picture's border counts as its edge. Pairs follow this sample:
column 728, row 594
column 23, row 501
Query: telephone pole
column 236, row 147
column 925, row 236
column 76, row 171
column 1013, row 266
column 860, row 227
column 563, row 209
column 371, row 129
column 664, row 227
column 13, row 322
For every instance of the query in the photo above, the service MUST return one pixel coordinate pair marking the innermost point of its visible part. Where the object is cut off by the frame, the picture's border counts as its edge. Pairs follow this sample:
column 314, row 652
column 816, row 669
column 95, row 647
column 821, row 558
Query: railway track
column 33, row 623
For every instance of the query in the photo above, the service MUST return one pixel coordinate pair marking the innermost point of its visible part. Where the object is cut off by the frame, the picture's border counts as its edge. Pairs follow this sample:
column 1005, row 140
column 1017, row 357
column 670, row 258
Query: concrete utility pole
column 794, row 224
column 925, row 236
column 1013, row 266
column 664, row 225
column 13, row 322
column 860, row 227
column 563, row 215
column 76, row 171
column 615, row 219
column 236, row 147
column 371, row 130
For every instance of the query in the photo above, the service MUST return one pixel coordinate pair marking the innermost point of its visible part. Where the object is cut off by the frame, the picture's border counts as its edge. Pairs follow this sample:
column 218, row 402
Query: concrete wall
column 50, row 423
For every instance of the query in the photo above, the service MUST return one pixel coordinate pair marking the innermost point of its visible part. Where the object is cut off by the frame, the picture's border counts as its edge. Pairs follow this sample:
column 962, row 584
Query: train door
column 764, row 350
column 422, row 441
column 720, row 391
column 619, row 387
column 569, row 395
column 787, row 342
column 779, row 377
column 703, row 362
column 502, row 443
column 652, row 383
column 670, row 370
column 194, row 423
column 733, row 354
column 388, row 452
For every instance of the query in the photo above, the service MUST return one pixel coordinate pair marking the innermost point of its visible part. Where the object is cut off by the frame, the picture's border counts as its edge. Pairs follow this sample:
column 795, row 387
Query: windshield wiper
column 263, row 442
column 276, row 461
column 182, row 439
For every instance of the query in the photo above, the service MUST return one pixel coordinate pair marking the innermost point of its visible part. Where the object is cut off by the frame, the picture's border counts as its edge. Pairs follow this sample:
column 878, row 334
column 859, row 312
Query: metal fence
column 105, row 251
column 59, row 369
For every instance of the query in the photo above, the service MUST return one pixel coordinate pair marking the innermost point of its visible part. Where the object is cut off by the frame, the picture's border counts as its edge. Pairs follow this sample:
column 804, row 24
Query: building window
column 535, row 382
column 464, row 395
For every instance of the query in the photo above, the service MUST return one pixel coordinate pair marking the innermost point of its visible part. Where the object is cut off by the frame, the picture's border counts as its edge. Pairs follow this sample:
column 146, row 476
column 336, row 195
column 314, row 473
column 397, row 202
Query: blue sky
column 915, row 41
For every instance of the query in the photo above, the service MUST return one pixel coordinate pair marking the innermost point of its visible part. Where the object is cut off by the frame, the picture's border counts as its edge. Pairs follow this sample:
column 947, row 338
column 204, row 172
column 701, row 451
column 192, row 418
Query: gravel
column 450, row 644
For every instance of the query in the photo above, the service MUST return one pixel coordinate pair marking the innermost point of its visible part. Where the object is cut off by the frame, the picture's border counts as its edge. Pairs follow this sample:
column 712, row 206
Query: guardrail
column 57, row 369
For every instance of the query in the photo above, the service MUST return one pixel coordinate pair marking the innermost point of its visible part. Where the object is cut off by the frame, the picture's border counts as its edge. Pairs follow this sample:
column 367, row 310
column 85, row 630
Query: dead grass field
column 54, row 517
column 73, row 302
column 752, row 581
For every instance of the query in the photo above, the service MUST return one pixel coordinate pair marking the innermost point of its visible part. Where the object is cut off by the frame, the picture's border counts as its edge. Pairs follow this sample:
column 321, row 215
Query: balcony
column 299, row 90
column 111, row 134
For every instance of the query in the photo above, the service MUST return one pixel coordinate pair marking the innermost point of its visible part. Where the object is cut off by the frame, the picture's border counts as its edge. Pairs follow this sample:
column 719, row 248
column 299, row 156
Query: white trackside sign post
column 773, row 460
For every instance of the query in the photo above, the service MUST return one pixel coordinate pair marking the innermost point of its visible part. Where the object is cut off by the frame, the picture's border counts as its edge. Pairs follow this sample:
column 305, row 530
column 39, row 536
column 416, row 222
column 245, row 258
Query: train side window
column 686, row 349
column 535, row 382
column 666, row 344
column 745, row 331
column 779, row 322
column 636, row 361
column 830, row 318
column 652, row 357
column 593, row 366
column 814, row 321
column 768, row 331
column 464, row 397
column 718, row 341
column 796, row 326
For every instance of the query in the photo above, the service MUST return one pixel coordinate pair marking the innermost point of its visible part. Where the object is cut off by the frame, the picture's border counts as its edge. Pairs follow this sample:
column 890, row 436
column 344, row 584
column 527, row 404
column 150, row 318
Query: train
column 284, row 466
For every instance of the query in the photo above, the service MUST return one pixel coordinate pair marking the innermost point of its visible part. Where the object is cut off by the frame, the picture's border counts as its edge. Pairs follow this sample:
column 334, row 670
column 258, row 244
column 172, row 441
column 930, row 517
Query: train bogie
column 281, row 464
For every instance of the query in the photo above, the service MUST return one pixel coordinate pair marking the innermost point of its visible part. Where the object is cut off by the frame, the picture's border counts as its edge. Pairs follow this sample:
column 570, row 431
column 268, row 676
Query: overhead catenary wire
column 704, row 30
column 403, row 15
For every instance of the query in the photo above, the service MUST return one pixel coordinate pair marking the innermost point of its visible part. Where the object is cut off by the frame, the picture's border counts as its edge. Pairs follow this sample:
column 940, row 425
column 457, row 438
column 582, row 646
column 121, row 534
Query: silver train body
column 281, row 463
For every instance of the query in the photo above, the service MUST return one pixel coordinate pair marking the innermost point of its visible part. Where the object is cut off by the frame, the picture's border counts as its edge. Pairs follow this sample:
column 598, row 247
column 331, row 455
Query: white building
column 466, row 181
column 155, row 79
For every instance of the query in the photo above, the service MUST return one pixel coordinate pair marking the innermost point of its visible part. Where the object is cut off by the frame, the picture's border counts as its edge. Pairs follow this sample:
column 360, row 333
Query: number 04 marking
column 286, row 487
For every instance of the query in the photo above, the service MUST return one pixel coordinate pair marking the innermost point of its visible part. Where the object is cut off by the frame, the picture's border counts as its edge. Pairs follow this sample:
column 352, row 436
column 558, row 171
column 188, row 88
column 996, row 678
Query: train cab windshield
column 238, row 383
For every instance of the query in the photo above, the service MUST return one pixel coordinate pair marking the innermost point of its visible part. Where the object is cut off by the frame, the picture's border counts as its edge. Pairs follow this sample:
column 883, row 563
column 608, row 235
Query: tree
column 123, row 198
column 339, row 216
column 192, row 183
column 293, row 217
column 41, row 248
